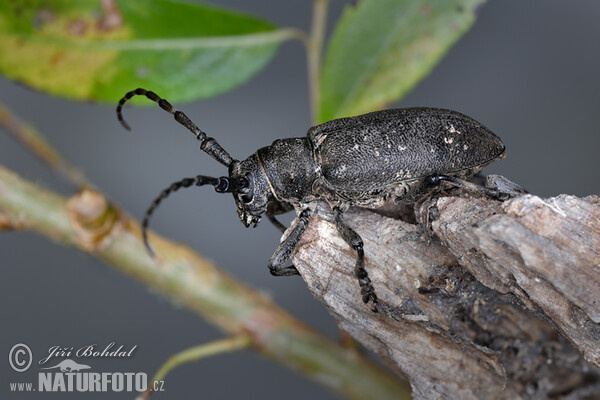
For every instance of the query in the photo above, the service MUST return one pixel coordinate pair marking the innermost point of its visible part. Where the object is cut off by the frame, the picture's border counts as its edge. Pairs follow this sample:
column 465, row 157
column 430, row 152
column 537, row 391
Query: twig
column 184, row 276
column 477, row 298
column 32, row 140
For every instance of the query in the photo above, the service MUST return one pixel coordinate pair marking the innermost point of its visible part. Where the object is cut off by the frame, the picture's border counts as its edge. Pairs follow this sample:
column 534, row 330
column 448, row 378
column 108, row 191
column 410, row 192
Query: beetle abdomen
column 375, row 150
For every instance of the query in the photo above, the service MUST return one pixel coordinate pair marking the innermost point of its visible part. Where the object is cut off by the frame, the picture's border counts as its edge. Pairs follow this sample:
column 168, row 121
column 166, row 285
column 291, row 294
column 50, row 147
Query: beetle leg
column 355, row 241
column 275, row 208
column 471, row 187
column 284, row 251
column 276, row 223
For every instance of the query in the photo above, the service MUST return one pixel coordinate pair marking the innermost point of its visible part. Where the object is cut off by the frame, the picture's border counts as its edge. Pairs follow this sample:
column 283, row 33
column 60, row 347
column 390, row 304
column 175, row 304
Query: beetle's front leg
column 355, row 241
column 471, row 187
column 284, row 251
column 276, row 208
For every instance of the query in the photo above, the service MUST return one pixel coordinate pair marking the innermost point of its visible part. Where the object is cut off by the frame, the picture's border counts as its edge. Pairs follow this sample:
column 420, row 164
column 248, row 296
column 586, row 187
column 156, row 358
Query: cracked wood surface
column 479, row 299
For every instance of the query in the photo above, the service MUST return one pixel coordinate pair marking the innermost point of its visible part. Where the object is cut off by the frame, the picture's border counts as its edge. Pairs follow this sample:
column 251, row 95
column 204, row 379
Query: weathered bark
column 479, row 299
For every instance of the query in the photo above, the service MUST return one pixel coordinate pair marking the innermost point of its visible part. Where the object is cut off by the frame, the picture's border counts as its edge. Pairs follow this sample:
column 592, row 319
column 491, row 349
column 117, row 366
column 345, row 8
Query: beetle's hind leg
column 285, row 249
column 471, row 187
column 355, row 241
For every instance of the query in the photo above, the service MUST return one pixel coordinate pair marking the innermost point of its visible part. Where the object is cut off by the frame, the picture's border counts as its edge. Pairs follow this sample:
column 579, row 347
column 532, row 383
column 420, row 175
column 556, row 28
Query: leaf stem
column 314, row 50
column 196, row 353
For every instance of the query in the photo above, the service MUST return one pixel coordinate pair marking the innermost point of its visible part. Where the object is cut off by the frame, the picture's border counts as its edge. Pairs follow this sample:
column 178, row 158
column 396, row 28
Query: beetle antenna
column 222, row 185
column 207, row 144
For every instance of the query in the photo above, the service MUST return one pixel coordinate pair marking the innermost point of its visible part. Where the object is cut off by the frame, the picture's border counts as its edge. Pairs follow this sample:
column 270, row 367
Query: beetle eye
column 246, row 196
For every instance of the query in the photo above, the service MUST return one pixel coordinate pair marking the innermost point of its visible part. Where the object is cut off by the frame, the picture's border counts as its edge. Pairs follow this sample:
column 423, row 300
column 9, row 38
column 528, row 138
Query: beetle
column 399, row 155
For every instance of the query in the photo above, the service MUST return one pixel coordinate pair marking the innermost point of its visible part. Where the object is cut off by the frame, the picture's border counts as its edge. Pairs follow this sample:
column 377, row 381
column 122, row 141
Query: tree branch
column 480, row 299
column 92, row 224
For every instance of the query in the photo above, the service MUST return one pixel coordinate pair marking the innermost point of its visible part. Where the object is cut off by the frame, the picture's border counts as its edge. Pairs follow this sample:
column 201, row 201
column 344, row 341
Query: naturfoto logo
column 69, row 366
column 58, row 372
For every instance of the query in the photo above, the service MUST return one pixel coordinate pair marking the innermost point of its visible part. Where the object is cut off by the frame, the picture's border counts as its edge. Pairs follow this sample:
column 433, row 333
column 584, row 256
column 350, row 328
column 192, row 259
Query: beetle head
column 252, row 200
column 246, row 180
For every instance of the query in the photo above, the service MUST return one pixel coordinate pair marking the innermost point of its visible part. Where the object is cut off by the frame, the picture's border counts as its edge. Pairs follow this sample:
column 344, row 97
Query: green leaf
column 380, row 49
column 98, row 50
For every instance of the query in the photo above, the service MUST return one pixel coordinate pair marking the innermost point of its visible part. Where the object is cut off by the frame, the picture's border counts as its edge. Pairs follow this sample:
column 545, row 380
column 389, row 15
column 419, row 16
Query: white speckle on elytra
column 538, row 280
column 389, row 146
column 448, row 140
column 432, row 150
column 465, row 147
column 401, row 148
column 356, row 147
column 452, row 129
column 398, row 268
column 377, row 154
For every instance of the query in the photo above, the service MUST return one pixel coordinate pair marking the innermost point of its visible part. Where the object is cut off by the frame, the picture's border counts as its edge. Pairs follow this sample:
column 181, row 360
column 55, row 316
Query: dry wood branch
column 481, row 299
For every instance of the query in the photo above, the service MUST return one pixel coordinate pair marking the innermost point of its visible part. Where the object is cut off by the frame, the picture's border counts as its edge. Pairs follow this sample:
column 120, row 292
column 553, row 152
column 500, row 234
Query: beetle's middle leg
column 469, row 186
column 355, row 241
column 284, row 251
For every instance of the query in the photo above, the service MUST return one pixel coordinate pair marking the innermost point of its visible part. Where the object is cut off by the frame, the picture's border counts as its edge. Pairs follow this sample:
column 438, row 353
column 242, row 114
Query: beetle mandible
column 399, row 155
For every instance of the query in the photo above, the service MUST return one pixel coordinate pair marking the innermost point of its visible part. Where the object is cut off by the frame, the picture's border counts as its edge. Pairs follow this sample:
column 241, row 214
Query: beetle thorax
column 290, row 169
